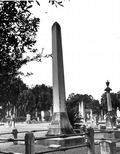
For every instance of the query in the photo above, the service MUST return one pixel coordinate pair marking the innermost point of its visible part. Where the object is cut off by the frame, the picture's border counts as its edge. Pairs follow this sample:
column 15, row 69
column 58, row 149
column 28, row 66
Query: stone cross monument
column 60, row 124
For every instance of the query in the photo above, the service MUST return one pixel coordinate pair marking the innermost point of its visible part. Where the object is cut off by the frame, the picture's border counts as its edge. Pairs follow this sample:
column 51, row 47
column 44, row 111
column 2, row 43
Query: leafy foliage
column 25, row 102
column 18, row 28
column 39, row 97
column 73, row 105
column 55, row 2
column 18, row 32
column 43, row 97
column 95, row 106
column 9, row 96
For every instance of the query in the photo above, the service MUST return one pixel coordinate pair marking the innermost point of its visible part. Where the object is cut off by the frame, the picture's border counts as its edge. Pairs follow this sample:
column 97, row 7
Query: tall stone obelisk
column 60, row 124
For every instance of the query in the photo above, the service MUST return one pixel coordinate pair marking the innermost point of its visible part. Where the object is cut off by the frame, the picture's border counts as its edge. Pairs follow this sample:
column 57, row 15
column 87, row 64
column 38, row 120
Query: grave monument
column 82, row 110
column 60, row 124
column 110, row 117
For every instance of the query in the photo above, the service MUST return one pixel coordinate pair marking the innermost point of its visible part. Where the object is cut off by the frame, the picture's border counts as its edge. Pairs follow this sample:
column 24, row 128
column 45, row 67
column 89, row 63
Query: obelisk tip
column 56, row 24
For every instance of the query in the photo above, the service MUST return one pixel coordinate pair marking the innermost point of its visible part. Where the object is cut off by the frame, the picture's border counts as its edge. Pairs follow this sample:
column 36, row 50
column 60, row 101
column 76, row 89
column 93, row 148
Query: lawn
column 20, row 148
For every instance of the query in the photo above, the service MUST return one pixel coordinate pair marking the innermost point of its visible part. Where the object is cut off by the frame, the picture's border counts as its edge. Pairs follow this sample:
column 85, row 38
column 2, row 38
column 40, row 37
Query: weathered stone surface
column 69, row 141
column 60, row 124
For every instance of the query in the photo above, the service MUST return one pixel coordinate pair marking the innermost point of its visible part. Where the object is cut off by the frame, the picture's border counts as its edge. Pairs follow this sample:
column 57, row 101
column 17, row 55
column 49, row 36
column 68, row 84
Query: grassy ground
column 20, row 148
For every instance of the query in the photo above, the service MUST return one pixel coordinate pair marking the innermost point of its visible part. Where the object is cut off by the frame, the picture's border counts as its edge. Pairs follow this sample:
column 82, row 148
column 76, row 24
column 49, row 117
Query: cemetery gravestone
column 28, row 118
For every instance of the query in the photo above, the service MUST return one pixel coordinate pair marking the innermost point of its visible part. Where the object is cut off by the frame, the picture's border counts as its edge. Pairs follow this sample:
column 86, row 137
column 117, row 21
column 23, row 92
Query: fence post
column 15, row 132
column 90, row 140
column 29, row 143
column 107, row 147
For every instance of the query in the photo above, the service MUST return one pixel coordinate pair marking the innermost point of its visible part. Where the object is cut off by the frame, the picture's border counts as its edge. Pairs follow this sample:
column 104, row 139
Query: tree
column 18, row 31
column 26, row 102
column 43, row 97
column 37, row 98
column 72, row 104
column 9, row 97
column 95, row 106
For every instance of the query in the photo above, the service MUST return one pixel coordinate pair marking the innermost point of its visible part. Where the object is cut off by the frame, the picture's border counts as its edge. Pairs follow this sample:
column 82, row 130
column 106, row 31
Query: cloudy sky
column 91, row 45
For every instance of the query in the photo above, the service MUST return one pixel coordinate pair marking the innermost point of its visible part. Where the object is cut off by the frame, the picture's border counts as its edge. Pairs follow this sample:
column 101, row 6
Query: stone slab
column 107, row 148
column 101, row 127
column 118, row 126
column 54, row 146
column 68, row 141
column 112, row 135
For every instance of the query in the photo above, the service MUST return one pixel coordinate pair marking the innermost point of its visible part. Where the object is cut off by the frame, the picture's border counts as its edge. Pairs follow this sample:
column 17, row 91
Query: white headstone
column 42, row 116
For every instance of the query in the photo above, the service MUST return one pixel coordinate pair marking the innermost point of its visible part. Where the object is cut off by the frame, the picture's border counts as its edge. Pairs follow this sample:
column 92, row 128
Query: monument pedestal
column 63, row 142
column 111, row 135
column 110, row 126
column 111, row 121
column 60, row 125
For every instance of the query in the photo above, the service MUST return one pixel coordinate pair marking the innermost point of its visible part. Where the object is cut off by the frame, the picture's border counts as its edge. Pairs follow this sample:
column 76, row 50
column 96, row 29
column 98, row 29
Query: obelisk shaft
column 58, row 71
column 82, row 110
column 109, row 104
column 60, row 124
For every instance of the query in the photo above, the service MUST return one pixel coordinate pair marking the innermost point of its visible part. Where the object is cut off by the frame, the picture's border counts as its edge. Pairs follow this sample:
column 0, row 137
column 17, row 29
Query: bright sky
column 91, row 45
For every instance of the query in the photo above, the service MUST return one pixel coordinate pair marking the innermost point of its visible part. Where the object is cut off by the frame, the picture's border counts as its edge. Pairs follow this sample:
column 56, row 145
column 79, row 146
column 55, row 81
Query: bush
column 20, row 119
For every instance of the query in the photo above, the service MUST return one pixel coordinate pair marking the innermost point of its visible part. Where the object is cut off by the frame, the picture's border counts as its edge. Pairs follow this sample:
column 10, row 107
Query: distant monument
column 110, row 120
column 110, row 117
column 118, row 113
column 82, row 110
column 60, row 124
column 28, row 118
column 42, row 116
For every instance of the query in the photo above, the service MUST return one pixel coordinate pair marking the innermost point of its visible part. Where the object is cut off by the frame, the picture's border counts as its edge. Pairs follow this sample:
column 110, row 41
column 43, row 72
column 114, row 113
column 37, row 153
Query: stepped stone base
column 60, row 125
column 63, row 142
column 112, row 135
